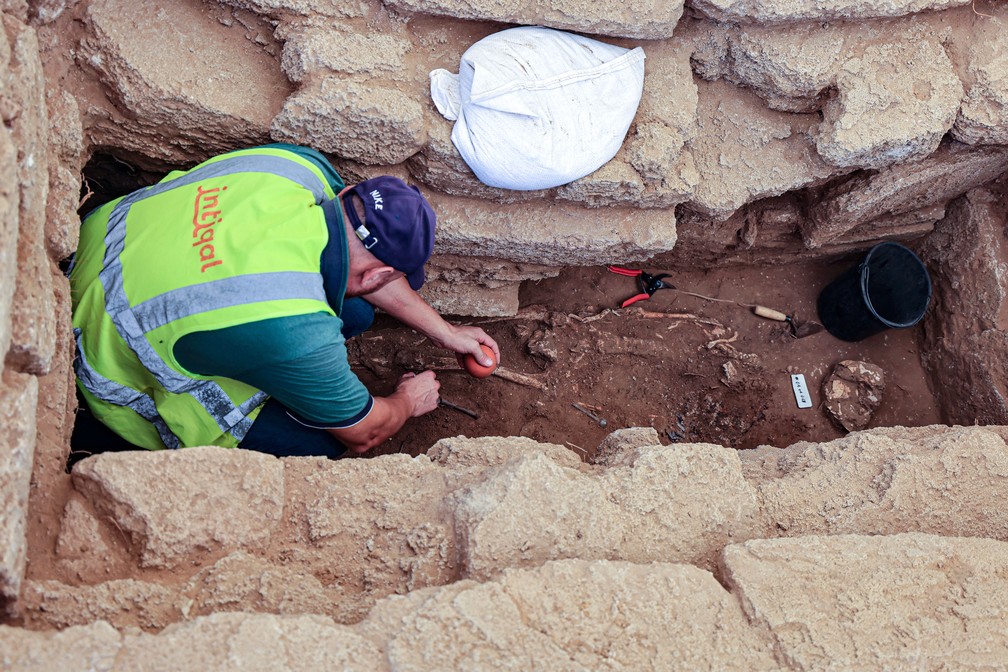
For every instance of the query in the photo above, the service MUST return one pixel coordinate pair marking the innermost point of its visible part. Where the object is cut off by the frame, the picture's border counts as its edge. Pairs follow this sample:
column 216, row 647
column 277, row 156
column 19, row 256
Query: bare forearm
column 414, row 396
column 401, row 302
column 385, row 419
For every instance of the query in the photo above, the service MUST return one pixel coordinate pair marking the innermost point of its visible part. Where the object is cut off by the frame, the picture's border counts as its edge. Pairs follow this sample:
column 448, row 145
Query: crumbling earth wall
column 767, row 129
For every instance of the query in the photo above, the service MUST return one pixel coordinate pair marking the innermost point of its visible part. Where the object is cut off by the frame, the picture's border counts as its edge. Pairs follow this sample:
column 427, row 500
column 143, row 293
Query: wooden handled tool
column 770, row 313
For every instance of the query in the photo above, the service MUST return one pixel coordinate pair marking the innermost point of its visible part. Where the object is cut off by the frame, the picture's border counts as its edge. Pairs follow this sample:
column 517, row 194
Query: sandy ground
column 695, row 370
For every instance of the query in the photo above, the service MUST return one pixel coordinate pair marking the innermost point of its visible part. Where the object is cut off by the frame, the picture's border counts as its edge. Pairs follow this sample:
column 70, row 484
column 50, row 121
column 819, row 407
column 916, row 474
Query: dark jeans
column 273, row 431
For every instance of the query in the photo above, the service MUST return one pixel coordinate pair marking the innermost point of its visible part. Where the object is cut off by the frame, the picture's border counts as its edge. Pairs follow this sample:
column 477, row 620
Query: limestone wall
column 886, row 549
column 767, row 129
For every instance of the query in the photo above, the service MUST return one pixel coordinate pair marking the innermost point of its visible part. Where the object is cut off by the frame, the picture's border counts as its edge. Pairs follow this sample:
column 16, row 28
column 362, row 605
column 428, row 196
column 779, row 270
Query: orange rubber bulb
column 474, row 368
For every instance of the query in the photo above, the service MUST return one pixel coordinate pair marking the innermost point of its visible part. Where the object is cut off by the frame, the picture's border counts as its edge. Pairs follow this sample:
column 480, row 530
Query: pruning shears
column 649, row 284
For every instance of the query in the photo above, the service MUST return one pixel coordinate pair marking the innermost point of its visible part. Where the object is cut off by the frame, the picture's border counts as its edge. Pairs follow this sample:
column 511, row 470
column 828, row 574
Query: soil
column 694, row 370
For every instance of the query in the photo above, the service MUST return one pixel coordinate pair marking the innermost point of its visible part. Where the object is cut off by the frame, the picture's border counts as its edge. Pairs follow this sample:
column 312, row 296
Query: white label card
column 801, row 393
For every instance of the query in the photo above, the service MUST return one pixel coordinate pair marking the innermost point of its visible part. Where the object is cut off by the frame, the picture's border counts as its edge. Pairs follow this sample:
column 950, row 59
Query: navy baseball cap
column 398, row 227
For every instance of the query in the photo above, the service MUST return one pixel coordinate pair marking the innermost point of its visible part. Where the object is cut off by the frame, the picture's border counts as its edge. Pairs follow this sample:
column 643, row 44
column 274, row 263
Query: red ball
column 474, row 368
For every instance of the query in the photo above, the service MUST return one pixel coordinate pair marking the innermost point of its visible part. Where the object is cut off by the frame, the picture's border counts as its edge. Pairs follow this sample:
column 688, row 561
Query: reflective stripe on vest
column 132, row 323
column 120, row 395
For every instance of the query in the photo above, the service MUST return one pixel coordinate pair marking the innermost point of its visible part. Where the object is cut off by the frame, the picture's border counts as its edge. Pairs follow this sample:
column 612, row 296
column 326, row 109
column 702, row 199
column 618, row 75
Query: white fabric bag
column 535, row 108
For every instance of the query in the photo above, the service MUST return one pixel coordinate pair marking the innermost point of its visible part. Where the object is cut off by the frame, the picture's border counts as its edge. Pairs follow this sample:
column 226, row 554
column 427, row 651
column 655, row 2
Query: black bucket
column 889, row 289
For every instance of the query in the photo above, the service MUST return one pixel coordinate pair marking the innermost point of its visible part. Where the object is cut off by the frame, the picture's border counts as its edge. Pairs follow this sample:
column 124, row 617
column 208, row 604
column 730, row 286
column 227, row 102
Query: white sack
column 536, row 108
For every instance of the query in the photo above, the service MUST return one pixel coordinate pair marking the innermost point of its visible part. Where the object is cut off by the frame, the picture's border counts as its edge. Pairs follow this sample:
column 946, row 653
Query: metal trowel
column 799, row 328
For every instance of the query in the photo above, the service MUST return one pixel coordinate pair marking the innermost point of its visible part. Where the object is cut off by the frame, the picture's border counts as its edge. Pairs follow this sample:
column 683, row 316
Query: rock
column 47, row 11
column 328, row 50
column 788, row 66
column 18, row 397
column 478, row 285
column 540, row 232
column 372, row 527
column 127, row 603
column 491, row 451
column 282, row 9
column 623, row 442
column 745, row 152
column 10, row 199
column 532, row 510
column 650, row 20
column 851, row 393
column 896, row 101
column 815, row 11
column 909, row 601
column 983, row 117
column 162, row 111
column 950, row 172
column 33, row 327
column 365, row 122
column 175, row 505
column 966, row 330
column 86, row 648
column 79, row 533
column 66, row 149
column 251, row 642
column 243, row 582
column 573, row 615
column 938, row 480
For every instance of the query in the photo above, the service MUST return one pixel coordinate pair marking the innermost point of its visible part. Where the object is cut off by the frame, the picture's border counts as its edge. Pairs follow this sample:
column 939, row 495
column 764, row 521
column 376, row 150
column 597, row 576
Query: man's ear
column 375, row 278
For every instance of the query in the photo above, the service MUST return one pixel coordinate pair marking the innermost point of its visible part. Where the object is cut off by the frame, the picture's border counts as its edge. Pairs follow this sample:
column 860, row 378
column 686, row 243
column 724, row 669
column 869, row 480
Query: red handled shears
column 649, row 284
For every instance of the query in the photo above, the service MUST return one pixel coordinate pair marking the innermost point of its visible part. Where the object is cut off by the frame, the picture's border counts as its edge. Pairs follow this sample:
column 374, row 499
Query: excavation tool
column 601, row 421
column 652, row 283
column 447, row 404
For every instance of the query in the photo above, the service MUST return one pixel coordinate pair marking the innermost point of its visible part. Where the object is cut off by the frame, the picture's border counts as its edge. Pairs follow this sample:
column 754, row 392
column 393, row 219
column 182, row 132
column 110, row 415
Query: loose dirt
column 695, row 370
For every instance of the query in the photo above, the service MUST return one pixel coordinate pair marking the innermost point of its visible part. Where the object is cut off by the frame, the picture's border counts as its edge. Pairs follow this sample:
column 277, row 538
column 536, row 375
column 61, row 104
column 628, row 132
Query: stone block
column 243, row 582
column 281, row 9
column 126, row 603
column 32, row 309
column 361, row 121
column 744, row 151
column 541, row 232
column 252, row 642
column 18, row 398
column 314, row 49
column 983, row 117
column 573, row 615
column 949, row 481
column 951, row 171
column 47, row 11
column 175, row 505
column 909, row 601
column 86, row 648
column 896, row 101
column 383, row 523
column 624, row 442
column 678, row 504
column 66, row 150
column 650, row 20
column 815, row 11
column 224, row 98
column 10, row 199
column 484, row 452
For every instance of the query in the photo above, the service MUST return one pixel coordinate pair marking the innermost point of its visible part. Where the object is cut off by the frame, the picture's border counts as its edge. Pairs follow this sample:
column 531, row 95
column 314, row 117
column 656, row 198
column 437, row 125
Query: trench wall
column 767, row 129
column 879, row 550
